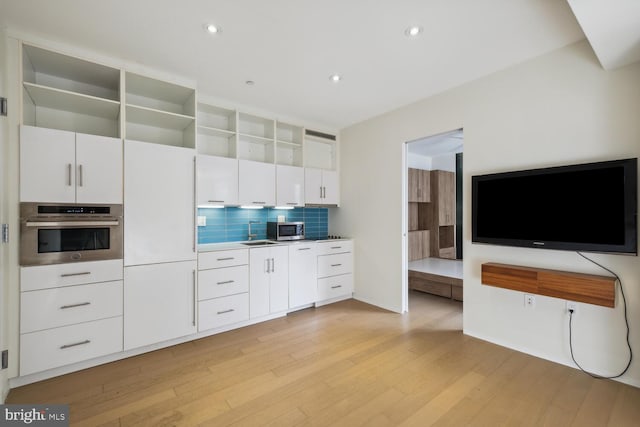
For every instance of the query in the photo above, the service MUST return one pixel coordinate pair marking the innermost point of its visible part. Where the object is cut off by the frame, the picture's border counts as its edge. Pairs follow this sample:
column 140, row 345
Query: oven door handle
column 71, row 223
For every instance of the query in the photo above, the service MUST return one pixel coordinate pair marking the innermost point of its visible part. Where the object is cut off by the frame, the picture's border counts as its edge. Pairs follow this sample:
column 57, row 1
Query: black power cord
column 626, row 320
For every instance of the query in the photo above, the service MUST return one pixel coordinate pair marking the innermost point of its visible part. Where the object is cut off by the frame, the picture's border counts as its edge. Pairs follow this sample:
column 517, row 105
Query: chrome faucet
column 252, row 235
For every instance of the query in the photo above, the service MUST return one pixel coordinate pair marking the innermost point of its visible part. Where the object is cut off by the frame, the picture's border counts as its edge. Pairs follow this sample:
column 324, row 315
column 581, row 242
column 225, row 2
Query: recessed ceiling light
column 213, row 29
column 413, row 31
column 249, row 82
column 335, row 78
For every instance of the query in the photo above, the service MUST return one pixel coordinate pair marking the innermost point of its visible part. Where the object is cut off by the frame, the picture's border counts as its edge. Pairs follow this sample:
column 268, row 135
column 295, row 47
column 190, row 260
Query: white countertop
column 226, row 246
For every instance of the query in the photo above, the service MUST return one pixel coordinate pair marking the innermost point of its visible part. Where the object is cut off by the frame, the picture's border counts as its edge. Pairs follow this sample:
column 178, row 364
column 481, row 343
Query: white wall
column 560, row 108
column 445, row 162
column 4, row 386
column 417, row 161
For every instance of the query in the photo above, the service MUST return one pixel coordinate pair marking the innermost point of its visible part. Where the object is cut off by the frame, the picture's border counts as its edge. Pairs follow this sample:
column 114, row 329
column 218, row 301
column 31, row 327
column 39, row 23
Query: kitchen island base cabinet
column 159, row 303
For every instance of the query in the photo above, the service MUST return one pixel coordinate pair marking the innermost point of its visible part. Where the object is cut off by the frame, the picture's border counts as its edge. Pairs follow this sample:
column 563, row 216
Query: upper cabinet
column 67, row 93
column 419, row 185
column 289, row 140
column 60, row 166
column 320, row 150
column 217, row 181
column 160, row 112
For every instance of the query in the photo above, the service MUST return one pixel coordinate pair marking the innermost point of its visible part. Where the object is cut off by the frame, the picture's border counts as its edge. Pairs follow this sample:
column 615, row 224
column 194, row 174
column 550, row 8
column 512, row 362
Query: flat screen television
column 585, row 207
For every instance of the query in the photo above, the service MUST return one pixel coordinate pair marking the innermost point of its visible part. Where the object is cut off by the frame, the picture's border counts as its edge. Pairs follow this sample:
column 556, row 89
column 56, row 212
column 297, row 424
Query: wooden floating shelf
column 589, row 288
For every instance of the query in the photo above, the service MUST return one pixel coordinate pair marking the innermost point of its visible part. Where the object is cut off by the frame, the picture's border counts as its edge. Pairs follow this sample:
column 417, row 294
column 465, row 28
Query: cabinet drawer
column 48, row 349
column 218, row 312
column 52, row 308
column 333, row 287
column 218, row 259
column 220, row 282
column 335, row 247
column 53, row 276
column 333, row 265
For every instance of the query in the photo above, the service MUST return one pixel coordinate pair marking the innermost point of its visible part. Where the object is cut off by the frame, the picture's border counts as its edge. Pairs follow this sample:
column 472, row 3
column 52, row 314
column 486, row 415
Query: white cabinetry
column 289, row 186
column 302, row 274
column 223, row 291
column 257, row 183
column 159, row 302
column 321, row 187
column 69, row 313
column 335, row 267
column 269, row 280
column 159, row 205
column 62, row 166
column 217, row 180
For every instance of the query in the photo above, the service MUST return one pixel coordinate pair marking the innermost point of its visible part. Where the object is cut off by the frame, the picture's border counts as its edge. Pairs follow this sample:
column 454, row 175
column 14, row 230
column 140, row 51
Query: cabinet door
column 302, row 274
column 47, row 163
column 257, row 183
column 279, row 279
column 159, row 303
column 217, row 180
column 446, row 193
column 290, row 186
column 414, row 184
column 313, row 186
column 330, row 188
column 98, row 169
column 159, row 206
column 259, row 268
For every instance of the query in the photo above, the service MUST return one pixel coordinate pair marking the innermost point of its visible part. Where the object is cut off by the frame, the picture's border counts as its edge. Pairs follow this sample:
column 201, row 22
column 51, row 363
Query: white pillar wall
column 559, row 108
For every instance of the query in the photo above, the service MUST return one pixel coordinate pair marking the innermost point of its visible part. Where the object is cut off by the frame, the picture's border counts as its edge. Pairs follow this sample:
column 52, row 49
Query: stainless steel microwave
column 285, row 230
column 56, row 234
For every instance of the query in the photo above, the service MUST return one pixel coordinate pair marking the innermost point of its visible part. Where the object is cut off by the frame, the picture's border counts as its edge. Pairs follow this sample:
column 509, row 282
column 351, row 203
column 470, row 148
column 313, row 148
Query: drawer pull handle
column 84, row 273
column 74, row 344
column 336, row 287
column 304, row 249
column 216, row 201
column 226, row 282
column 336, row 247
column 226, row 311
column 226, row 259
column 64, row 307
column 336, row 265
column 291, row 204
column 259, row 203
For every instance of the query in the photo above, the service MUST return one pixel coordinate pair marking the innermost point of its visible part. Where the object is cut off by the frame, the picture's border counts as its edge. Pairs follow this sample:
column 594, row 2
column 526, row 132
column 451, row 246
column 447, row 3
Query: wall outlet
column 202, row 221
column 529, row 301
column 572, row 305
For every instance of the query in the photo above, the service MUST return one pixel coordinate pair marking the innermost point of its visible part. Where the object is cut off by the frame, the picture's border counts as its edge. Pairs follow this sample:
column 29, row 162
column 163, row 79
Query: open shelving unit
column 68, row 93
column 256, row 138
column 289, row 140
column 320, row 150
column 217, row 131
column 159, row 112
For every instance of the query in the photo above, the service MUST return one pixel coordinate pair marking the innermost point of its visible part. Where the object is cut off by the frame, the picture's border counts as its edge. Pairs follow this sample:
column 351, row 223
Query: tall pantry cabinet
column 159, row 199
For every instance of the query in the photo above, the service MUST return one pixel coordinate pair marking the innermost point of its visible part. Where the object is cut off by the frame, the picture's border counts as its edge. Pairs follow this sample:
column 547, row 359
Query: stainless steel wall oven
column 60, row 233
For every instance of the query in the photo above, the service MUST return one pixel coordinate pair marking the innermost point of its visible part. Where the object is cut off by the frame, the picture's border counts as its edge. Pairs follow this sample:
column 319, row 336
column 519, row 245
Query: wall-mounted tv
column 585, row 207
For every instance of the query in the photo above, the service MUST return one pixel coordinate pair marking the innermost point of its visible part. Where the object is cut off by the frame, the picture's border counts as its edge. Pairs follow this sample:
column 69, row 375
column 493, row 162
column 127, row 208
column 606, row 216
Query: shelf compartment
column 289, row 134
column 157, row 118
column 159, row 95
column 216, row 142
column 212, row 117
column 43, row 96
column 161, row 135
column 57, row 71
column 320, row 153
column 581, row 287
column 256, row 149
column 256, row 127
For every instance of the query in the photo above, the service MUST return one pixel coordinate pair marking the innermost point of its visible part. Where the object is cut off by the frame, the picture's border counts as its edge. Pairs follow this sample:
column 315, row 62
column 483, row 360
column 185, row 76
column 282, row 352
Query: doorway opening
column 434, row 227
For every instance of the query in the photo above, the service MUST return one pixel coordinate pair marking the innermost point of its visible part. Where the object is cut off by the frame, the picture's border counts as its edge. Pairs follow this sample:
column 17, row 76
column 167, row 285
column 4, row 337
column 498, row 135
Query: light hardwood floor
column 346, row 364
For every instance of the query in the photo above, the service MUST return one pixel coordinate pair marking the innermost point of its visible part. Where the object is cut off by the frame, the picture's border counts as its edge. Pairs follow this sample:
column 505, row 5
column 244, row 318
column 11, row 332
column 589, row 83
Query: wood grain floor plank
column 343, row 364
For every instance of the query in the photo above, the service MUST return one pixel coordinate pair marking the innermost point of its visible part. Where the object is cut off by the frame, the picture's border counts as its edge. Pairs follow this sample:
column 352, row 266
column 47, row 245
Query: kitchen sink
column 263, row 243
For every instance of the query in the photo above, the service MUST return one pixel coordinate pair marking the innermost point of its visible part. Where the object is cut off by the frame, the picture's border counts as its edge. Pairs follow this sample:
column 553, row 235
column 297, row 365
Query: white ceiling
column 613, row 29
column 289, row 48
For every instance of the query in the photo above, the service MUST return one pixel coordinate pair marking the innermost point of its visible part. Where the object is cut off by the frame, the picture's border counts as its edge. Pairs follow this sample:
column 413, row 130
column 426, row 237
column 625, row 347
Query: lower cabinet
column 268, row 280
column 159, row 302
column 303, row 274
column 335, row 267
column 56, row 347
column 223, row 288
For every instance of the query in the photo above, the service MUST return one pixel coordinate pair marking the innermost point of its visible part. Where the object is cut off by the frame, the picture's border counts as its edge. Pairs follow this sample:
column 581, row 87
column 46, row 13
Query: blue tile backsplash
column 231, row 224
